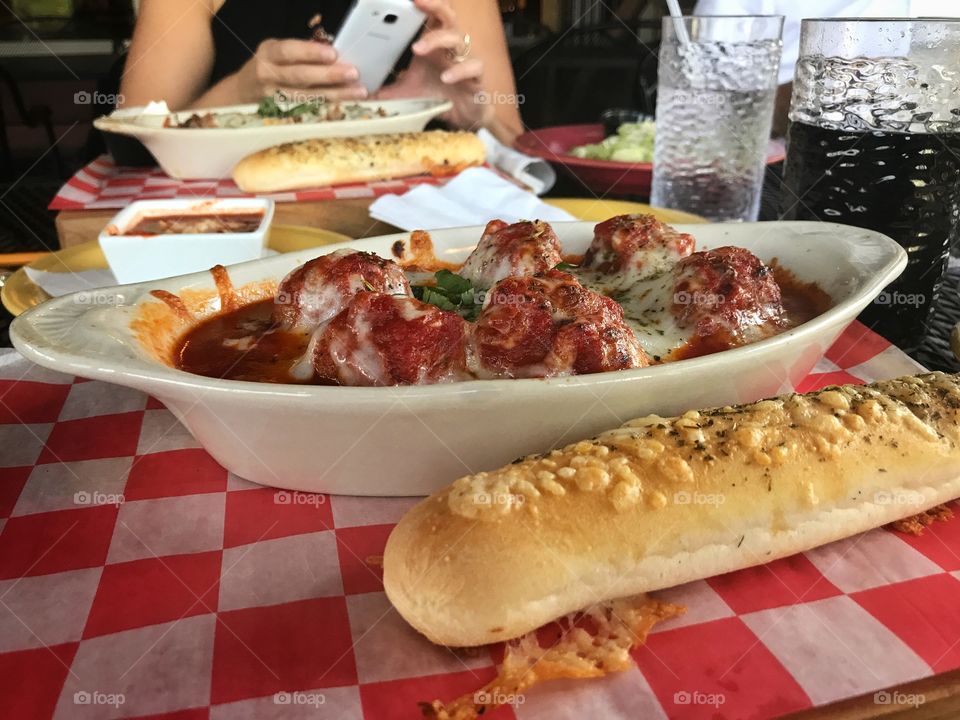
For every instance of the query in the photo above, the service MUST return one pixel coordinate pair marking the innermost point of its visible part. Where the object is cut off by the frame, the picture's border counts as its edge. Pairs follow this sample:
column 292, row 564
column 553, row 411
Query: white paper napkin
column 474, row 197
column 536, row 174
column 56, row 284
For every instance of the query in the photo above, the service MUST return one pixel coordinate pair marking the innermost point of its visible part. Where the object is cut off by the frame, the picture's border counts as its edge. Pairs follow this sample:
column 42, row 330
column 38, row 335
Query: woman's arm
column 171, row 57
column 481, row 19
column 171, row 54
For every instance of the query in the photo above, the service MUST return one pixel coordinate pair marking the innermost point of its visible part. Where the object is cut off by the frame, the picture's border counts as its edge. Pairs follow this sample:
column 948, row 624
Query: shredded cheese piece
column 915, row 524
column 600, row 648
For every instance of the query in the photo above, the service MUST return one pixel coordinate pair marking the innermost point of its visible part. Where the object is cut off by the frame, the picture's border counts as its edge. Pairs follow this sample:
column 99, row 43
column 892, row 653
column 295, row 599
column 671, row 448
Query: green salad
column 633, row 143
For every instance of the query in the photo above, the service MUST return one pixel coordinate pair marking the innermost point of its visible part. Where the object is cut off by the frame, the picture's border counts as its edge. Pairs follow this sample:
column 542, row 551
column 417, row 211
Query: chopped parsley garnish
column 451, row 292
column 269, row 107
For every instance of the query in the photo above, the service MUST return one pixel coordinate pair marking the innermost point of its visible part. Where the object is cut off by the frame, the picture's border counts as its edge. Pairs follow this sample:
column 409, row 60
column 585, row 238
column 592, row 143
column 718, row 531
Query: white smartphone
column 374, row 36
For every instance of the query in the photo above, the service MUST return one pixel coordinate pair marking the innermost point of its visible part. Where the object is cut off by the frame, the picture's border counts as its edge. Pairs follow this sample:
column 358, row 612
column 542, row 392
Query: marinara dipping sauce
column 194, row 224
column 243, row 344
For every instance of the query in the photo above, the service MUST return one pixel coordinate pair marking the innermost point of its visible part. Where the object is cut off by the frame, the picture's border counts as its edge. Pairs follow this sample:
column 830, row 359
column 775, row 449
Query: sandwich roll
column 335, row 161
column 664, row 501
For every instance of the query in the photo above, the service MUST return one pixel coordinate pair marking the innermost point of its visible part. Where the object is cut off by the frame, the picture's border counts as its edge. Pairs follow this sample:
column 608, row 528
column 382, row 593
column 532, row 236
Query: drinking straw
column 681, row 29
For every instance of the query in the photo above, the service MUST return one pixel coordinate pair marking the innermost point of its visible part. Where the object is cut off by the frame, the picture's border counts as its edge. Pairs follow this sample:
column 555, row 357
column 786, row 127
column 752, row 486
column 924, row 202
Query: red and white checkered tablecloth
column 138, row 578
column 101, row 184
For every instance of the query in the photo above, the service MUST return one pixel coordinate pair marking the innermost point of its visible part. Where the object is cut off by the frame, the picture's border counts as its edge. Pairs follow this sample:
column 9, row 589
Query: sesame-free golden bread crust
column 663, row 501
column 335, row 161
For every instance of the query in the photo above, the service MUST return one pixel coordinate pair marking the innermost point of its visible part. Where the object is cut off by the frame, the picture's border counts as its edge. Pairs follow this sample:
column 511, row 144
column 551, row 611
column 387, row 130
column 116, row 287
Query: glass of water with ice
column 716, row 87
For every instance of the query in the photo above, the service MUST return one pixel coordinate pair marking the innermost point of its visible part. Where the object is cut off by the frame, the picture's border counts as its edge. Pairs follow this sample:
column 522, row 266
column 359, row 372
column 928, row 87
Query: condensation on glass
column 874, row 141
column 717, row 84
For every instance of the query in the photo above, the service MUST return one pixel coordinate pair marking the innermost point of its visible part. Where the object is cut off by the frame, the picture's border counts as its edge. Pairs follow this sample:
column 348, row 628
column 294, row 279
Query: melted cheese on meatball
column 524, row 248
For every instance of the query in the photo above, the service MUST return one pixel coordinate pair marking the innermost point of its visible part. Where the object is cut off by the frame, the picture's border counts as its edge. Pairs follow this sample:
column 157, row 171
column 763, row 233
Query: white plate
column 205, row 153
column 413, row 440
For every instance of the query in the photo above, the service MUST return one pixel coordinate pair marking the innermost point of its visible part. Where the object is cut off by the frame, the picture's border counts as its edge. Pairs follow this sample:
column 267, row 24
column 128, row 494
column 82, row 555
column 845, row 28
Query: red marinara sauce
column 242, row 344
column 194, row 223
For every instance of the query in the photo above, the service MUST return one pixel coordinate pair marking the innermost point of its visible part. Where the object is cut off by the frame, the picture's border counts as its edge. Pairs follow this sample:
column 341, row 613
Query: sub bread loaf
column 663, row 501
column 334, row 161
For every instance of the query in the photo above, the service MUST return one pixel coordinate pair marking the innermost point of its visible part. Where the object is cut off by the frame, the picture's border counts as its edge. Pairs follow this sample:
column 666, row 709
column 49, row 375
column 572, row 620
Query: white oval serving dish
column 211, row 153
column 413, row 440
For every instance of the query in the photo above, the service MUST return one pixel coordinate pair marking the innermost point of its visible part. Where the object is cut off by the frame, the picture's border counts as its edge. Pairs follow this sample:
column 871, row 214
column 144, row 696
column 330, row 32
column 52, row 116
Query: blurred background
column 60, row 62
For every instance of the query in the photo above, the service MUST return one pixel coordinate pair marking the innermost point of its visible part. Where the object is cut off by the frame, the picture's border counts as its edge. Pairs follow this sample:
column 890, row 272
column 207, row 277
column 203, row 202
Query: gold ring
column 458, row 56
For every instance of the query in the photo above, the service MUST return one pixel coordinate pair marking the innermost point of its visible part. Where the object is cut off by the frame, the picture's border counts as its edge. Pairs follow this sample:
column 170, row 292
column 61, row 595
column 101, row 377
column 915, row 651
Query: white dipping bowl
column 140, row 258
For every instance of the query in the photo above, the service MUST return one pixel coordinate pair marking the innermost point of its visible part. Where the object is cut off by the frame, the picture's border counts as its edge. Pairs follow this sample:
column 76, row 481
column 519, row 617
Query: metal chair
column 33, row 117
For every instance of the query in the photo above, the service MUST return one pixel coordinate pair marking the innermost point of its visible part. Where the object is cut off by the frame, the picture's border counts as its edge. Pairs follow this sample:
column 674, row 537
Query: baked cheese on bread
column 663, row 501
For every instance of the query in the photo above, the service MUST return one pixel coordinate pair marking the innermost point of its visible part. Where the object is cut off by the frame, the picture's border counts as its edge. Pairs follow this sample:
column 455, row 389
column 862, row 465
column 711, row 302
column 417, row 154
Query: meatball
column 524, row 248
column 639, row 246
column 315, row 292
column 382, row 339
column 727, row 296
column 551, row 325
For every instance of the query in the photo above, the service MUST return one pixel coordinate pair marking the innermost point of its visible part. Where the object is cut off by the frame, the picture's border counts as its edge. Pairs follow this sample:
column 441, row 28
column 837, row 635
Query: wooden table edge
column 932, row 698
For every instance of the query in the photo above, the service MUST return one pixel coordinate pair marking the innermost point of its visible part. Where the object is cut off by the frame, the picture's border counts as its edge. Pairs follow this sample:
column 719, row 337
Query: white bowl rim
column 150, row 207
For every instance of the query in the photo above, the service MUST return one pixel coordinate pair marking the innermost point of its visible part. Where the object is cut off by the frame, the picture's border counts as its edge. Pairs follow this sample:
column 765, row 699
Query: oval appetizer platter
column 442, row 357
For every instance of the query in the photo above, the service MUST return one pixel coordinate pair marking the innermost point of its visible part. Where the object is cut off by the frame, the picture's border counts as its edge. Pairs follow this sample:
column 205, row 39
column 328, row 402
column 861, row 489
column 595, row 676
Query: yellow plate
column 21, row 293
column 600, row 210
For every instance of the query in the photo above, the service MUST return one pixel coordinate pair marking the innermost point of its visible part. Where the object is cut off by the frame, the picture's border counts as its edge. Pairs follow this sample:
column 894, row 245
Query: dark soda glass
column 904, row 185
column 874, row 142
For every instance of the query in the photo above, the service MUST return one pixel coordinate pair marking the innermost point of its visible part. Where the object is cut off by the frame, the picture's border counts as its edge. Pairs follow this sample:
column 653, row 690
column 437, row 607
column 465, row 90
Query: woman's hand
column 301, row 69
column 442, row 66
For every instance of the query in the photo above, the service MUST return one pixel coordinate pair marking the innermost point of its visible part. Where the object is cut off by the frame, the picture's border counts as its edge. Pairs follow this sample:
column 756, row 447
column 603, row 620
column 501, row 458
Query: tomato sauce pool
column 242, row 344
